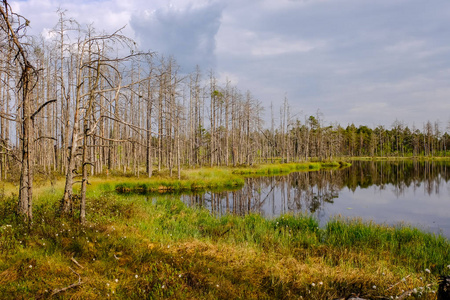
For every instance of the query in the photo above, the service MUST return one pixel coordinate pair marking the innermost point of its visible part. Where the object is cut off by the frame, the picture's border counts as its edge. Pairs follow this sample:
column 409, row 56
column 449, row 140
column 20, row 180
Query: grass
column 197, row 180
column 399, row 158
column 136, row 248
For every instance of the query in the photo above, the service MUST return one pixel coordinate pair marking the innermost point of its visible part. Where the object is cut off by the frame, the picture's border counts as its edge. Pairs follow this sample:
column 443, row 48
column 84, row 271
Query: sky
column 350, row 61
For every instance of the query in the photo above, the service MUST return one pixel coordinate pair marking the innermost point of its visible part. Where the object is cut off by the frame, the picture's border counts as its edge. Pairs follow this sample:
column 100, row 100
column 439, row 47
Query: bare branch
column 41, row 107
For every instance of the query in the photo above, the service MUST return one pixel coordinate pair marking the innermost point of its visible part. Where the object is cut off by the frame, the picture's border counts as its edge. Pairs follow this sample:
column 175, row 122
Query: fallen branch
column 70, row 286
column 73, row 259
column 398, row 282
column 405, row 294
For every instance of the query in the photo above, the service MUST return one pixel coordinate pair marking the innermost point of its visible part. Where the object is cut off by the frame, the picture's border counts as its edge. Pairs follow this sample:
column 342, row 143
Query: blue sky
column 357, row 61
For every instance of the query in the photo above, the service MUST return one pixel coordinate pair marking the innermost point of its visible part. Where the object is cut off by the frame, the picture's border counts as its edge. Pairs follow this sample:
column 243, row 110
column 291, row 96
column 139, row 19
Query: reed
column 140, row 247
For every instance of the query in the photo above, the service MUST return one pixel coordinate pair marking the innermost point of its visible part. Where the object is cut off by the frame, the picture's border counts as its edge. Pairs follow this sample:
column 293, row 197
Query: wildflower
column 313, row 284
column 320, row 283
column 116, row 280
column 136, row 276
column 217, row 285
column 30, row 266
column 448, row 266
column 374, row 287
column 107, row 284
column 56, row 234
column 163, row 286
column 428, row 271
column 179, row 275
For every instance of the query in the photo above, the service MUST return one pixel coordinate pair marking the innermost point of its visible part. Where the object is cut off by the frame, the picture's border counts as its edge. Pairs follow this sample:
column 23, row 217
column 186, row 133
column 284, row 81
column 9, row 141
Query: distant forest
column 136, row 109
column 83, row 102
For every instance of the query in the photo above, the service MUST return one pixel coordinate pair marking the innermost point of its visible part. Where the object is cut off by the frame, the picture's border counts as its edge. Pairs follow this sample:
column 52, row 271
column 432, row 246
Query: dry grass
column 132, row 249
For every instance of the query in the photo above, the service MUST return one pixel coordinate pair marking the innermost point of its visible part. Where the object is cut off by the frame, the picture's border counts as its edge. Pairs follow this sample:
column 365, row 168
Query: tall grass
column 137, row 247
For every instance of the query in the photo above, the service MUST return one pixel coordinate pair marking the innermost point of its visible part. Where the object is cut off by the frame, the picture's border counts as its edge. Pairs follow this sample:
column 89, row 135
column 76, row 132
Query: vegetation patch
column 132, row 248
column 211, row 179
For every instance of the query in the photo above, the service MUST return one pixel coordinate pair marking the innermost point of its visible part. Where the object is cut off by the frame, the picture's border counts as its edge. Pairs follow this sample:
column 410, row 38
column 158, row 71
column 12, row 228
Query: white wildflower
column 136, row 276
column 313, row 284
column 428, row 271
column 374, row 287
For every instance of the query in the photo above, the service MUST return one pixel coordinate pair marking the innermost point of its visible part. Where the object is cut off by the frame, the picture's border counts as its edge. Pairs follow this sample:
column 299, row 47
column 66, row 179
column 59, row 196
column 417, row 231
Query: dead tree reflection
column 308, row 192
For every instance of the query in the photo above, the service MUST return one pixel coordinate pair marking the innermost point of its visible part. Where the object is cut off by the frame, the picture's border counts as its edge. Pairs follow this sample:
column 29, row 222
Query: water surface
column 411, row 192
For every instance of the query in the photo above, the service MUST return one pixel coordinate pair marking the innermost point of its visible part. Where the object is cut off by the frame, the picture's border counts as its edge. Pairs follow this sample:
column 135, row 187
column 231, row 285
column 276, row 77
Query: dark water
column 415, row 193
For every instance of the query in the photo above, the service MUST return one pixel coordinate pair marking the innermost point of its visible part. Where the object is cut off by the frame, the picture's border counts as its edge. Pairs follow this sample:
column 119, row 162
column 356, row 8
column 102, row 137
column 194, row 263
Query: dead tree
column 13, row 26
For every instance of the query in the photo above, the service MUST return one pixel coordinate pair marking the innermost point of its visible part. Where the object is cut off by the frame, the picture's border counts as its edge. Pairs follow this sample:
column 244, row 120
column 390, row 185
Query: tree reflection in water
column 312, row 191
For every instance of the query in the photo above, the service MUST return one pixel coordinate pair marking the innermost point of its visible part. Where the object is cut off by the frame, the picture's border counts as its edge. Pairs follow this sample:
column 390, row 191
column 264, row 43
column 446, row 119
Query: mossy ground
column 139, row 247
column 134, row 248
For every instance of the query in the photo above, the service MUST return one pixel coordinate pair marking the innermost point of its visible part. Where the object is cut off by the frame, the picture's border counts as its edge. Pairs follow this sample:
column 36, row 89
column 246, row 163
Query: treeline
column 79, row 102
column 324, row 142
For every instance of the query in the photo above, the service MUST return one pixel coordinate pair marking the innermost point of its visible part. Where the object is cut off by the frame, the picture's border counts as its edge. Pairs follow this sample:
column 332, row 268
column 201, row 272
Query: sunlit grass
column 140, row 247
column 219, row 178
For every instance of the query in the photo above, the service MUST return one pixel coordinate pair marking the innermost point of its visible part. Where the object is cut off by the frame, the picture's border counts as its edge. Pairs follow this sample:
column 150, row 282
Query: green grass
column 134, row 247
column 211, row 179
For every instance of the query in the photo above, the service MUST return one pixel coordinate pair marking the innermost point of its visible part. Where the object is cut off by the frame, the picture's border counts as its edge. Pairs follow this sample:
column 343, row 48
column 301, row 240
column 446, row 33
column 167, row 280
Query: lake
column 410, row 192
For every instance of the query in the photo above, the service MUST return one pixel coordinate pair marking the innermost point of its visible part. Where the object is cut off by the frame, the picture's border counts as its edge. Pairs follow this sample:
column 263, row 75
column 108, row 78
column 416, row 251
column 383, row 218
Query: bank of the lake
column 136, row 247
column 217, row 178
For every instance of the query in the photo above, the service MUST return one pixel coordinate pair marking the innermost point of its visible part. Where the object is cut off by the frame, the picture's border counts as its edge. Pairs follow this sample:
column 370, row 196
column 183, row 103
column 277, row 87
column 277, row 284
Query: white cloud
column 347, row 58
column 187, row 32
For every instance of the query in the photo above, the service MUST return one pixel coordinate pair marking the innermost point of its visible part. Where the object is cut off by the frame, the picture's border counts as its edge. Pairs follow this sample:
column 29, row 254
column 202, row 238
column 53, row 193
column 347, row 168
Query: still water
column 413, row 193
